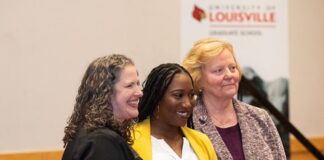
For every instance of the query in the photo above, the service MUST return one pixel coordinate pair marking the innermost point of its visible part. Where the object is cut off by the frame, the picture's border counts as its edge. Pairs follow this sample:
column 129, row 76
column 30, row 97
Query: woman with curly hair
column 104, row 112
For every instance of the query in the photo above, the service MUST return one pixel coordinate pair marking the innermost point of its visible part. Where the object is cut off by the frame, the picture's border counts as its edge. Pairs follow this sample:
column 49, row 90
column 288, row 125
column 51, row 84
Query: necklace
column 226, row 121
column 227, row 118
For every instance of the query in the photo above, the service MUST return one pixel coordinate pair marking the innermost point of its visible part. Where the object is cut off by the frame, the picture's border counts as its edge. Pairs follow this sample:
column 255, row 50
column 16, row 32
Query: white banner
column 256, row 28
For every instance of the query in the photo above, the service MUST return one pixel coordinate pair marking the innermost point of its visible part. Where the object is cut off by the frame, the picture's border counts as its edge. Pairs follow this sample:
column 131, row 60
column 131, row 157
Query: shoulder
column 98, row 144
column 194, row 134
column 251, row 116
column 105, row 137
column 104, row 133
column 250, row 110
column 200, row 143
column 142, row 139
column 142, row 128
column 86, row 138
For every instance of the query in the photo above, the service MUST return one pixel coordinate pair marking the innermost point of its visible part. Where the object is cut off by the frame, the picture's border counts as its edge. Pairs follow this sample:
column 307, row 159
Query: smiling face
column 127, row 92
column 220, row 76
column 177, row 102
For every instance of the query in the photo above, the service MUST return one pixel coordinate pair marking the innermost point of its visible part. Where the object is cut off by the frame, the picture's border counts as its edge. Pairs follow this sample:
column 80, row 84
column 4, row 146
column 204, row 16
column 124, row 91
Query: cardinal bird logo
column 198, row 13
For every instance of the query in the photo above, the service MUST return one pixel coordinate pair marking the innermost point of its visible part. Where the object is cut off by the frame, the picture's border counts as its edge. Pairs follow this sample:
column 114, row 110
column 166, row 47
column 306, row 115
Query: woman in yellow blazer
column 164, row 110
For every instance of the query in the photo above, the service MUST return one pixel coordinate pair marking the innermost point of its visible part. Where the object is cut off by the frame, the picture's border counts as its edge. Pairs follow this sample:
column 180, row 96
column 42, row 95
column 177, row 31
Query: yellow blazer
column 198, row 141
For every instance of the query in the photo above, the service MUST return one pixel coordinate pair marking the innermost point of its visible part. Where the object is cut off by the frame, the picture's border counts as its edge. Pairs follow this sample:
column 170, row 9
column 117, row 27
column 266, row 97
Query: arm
column 273, row 139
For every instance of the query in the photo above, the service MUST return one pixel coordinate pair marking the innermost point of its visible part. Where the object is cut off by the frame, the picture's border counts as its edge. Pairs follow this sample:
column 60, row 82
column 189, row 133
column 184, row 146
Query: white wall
column 45, row 47
column 306, row 36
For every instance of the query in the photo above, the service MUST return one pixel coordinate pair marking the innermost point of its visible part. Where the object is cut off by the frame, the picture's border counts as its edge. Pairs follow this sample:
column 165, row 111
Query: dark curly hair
column 93, row 107
column 155, row 85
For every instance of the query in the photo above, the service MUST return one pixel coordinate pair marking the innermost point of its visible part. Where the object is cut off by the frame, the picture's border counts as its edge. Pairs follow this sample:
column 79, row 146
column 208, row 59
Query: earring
column 200, row 91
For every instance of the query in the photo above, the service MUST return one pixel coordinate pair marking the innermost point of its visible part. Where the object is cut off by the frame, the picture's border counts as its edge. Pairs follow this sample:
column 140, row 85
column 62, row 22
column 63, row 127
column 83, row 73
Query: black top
column 101, row 144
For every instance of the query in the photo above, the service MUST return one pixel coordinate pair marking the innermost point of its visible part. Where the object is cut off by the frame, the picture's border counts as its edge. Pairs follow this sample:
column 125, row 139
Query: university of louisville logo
column 198, row 13
column 241, row 15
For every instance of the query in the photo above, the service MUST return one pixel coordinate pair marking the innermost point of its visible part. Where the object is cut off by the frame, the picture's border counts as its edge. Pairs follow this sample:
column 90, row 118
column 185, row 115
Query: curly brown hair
column 93, row 107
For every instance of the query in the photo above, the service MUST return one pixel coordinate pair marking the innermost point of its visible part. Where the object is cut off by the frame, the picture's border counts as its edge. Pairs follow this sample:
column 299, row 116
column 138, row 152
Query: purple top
column 233, row 140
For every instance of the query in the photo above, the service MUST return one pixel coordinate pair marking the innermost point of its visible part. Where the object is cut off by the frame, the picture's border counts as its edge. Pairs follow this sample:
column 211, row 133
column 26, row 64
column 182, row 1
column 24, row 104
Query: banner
column 258, row 31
